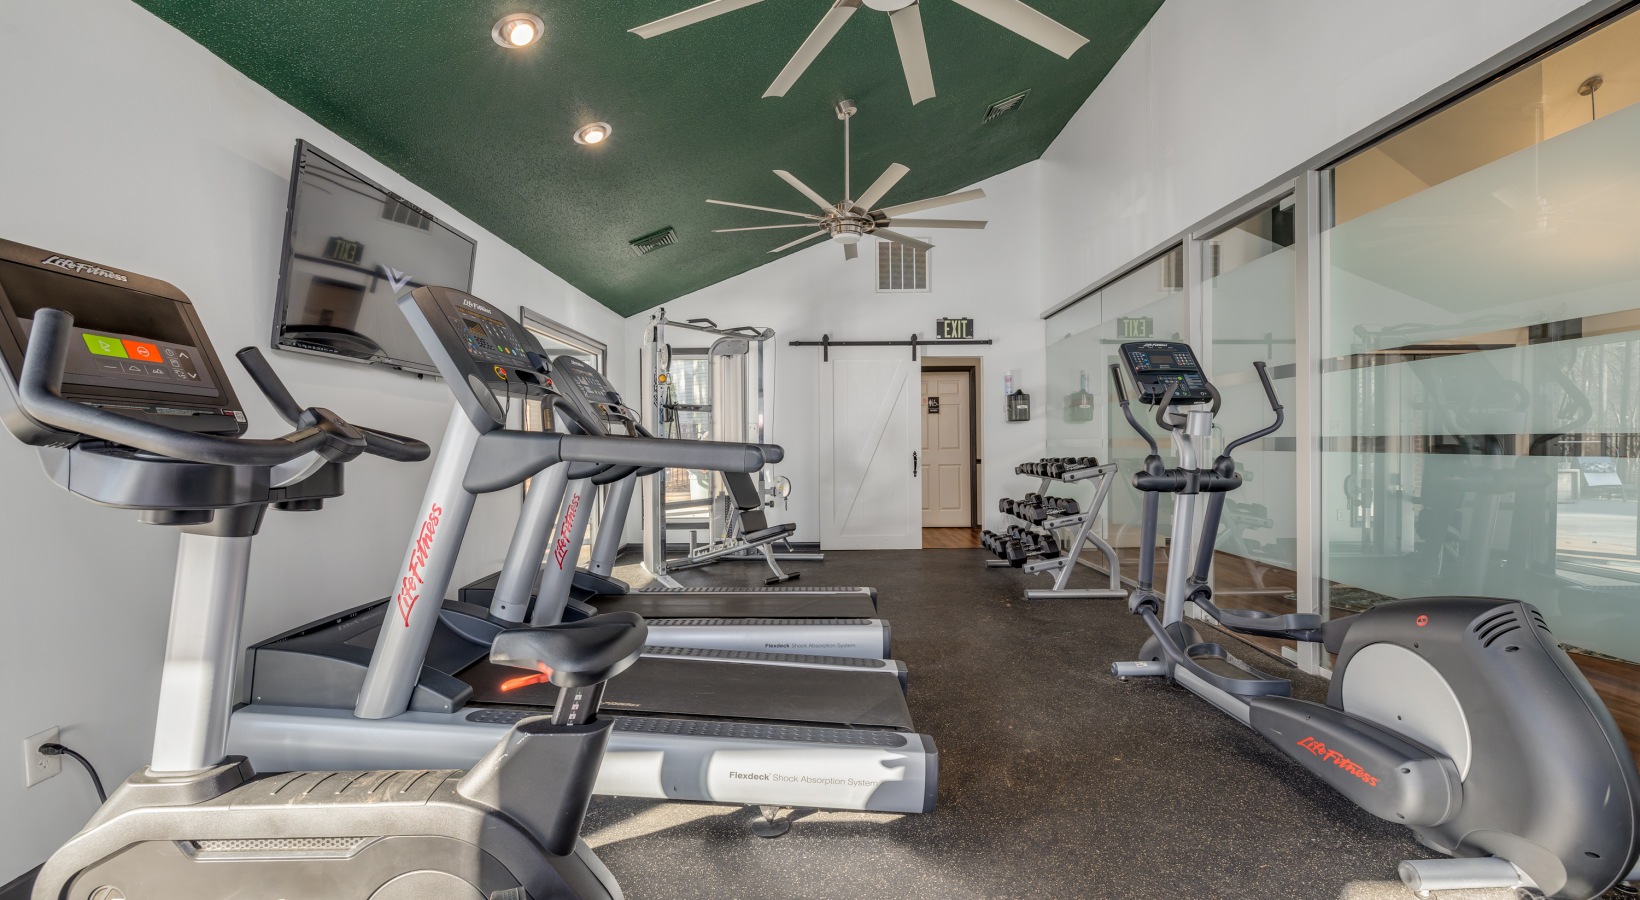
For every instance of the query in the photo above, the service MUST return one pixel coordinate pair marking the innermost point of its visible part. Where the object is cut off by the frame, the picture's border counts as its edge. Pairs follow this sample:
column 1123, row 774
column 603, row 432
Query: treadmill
column 407, row 681
column 829, row 621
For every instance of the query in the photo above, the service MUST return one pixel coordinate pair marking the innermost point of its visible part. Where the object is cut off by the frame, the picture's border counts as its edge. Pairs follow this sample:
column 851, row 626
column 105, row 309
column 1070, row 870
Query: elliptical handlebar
column 1122, row 397
column 1275, row 405
column 1163, row 407
column 39, row 393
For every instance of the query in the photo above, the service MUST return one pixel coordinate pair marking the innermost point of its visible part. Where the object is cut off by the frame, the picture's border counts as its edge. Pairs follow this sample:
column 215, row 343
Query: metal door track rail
column 826, row 343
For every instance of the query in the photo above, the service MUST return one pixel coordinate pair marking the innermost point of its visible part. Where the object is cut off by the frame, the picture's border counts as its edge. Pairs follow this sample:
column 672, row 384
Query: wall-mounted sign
column 934, row 405
column 954, row 329
column 1135, row 327
column 344, row 250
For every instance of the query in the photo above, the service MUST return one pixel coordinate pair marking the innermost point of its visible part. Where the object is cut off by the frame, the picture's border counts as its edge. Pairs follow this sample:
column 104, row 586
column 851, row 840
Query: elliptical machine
column 1458, row 717
column 165, row 438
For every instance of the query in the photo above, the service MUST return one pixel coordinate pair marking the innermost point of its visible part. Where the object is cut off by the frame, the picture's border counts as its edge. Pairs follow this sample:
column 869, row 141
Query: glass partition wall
column 1452, row 317
column 1480, row 380
column 1249, row 283
column 1148, row 301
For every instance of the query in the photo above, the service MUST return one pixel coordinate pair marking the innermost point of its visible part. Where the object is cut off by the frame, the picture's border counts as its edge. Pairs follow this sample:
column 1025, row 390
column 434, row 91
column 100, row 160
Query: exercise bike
column 1458, row 717
column 166, row 440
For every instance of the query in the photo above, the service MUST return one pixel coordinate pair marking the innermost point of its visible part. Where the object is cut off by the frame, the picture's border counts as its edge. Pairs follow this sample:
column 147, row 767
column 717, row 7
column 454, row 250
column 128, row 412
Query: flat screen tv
column 352, row 248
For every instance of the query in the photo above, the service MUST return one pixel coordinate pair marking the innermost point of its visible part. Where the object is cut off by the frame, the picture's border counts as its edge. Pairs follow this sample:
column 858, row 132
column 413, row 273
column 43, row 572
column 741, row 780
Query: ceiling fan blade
column 802, row 240
column 816, row 42
column 1028, row 24
column 784, row 212
column 932, row 203
column 690, row 16
column 763, row 227
column 905, row 239
column 851, row 251
column 804, row 189
column 884, row 183
column 933, row 223
column 908, row 36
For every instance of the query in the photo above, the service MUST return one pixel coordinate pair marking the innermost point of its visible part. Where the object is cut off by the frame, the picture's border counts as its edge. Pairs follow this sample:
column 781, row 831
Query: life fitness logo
column 1339, row 760
column 410, row 585
column 561, row 548
column 73, row 265
column 1421, row 621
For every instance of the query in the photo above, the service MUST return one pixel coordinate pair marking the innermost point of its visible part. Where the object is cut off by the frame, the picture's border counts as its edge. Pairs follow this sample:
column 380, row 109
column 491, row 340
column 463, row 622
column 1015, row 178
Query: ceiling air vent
column 1006, row 105
column 649, row 243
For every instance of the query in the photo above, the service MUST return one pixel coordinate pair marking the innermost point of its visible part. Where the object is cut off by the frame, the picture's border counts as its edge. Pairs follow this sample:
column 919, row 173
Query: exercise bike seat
column 574, row 654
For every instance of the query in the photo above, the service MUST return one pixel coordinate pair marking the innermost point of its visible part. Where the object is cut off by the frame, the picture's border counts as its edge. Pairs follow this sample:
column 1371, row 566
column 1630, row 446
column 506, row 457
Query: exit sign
column 1135, row 327
column 954, row 329
column 344, row 250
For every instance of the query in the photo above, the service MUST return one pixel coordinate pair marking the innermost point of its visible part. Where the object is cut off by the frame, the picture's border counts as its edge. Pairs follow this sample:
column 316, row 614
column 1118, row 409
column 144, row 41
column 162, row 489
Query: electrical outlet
column 40, row 766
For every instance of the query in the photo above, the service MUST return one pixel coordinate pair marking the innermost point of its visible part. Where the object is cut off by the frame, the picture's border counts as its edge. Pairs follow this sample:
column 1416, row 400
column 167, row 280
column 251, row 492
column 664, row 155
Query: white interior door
column 947, row 451
column 869, row 437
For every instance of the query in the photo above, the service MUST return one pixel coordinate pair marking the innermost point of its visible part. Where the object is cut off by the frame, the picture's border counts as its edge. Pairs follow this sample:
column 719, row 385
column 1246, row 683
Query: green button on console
column 105, row 346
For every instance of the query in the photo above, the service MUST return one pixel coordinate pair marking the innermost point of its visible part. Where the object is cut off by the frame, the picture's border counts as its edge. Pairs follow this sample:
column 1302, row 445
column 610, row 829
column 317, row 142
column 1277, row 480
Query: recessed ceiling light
column 518, row 30
column 596, row 133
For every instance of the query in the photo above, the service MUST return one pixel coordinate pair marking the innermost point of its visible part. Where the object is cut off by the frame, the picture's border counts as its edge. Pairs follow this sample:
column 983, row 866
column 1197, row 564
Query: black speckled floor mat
column 1055, row 779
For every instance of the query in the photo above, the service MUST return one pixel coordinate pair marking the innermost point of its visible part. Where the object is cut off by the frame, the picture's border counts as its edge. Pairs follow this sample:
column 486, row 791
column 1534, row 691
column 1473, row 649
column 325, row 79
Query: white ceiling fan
column 847, row 221
column 906, row 18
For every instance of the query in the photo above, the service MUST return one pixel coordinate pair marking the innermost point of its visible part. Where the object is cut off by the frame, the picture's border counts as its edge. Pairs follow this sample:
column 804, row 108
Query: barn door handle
column 913, row 464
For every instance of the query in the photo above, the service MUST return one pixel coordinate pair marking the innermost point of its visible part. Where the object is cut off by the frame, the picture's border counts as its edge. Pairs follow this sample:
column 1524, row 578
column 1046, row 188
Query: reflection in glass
column 1082, row 342
column 1249, row 276
column 1481, row 345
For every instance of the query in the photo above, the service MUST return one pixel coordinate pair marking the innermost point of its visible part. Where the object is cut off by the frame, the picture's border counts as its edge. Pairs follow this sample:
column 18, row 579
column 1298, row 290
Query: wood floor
column 950, row 538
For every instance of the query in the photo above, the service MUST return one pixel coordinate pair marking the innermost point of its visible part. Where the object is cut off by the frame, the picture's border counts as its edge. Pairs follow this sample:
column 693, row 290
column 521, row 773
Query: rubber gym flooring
column 1056, row 780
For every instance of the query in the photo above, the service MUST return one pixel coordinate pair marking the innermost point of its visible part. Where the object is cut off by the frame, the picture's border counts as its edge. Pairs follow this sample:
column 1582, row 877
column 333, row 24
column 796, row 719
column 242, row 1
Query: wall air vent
column 396, row 210
column 901, row 269
column 1006, row 105
column 649, row 243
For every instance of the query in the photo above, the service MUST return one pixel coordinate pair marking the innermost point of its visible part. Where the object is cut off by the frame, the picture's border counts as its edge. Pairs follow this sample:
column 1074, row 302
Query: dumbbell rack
column 1083, row 522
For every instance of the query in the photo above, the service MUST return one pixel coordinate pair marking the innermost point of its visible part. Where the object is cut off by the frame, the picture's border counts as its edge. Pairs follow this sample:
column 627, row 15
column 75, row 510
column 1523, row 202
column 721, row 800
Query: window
column 900, row 268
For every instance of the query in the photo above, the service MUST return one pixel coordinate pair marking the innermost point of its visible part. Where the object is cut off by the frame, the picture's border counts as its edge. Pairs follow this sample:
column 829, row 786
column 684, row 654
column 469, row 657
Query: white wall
column 126, row 143
column 1216, row 99
column 989, row 275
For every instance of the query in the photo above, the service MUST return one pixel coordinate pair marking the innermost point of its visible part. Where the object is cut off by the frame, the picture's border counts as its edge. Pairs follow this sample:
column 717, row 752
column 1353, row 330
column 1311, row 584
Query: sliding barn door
column 869, row 439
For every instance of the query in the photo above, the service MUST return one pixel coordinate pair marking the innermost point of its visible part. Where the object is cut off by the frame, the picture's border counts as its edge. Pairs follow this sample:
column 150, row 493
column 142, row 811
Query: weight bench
column 751, row 532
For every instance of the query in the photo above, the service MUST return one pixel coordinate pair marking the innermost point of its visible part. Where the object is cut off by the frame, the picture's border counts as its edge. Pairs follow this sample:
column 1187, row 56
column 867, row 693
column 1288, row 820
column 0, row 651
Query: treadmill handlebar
column 505, row 458
column 39, row 394
column 772, row 453
column 647, row 452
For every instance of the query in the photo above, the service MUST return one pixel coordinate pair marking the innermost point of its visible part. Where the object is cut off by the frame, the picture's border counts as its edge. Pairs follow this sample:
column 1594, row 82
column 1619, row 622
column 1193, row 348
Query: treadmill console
column 138, row 346
column 594, row 397
column 488, row 359
column 1156, row 366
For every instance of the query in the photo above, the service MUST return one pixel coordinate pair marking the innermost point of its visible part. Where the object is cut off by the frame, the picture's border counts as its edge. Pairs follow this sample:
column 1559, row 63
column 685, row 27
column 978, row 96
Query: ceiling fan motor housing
column 889, row 5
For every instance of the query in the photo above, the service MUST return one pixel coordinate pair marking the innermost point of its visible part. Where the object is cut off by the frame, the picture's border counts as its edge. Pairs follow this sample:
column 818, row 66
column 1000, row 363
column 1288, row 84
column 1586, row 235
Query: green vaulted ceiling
column 421, row 86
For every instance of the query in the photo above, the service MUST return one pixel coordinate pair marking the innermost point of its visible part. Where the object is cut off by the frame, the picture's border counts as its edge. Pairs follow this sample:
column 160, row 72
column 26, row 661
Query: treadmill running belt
column 740, row 606
column 722, row 690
